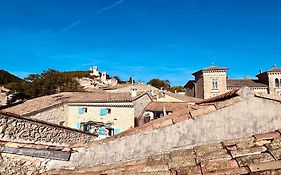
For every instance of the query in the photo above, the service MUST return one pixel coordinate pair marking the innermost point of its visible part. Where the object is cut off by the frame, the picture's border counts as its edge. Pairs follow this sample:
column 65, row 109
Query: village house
column 226, row 134
column 101, row 112
column 212, row 81
column 3, row 95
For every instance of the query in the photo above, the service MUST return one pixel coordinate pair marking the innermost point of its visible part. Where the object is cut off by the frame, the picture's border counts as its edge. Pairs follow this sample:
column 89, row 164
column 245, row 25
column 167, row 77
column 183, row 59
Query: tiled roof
column 46, row 102
column 274, row 70
column 190, row 84
column 244, row 82
column 184, row 98
column 36, row 150
column 255, row 155
column 211, row 68
column 169, row 106
column 224, row 96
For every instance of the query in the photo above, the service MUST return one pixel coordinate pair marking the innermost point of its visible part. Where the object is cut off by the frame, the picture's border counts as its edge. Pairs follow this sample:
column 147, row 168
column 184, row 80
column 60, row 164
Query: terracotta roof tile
column 169, row 106
column 237, row 83
column 46, row 102
column 245, row 158
column 224, row 96
column 35, row 150
column 211, row 68
column 184, row 98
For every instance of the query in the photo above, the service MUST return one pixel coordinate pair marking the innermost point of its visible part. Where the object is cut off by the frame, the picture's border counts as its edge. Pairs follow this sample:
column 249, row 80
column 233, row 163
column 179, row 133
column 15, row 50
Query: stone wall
column 13, row 128
column 245, row 118
column 140, row 104
column 3, row 99
column 11, row 164
column 55, row 115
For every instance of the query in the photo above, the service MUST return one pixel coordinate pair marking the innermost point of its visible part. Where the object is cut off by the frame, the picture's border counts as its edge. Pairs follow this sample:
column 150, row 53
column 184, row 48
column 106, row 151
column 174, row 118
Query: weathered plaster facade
column 121, row 115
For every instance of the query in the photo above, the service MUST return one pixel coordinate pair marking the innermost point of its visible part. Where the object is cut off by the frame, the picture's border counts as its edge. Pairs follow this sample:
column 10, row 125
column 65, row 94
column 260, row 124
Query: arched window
column 276, row 82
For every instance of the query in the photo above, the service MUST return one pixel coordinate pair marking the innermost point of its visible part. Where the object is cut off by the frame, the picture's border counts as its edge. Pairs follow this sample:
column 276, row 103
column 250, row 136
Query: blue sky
column 168, row 39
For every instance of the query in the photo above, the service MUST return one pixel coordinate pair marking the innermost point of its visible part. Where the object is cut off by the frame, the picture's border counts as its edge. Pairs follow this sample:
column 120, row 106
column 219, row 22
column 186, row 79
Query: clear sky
column 168, row 39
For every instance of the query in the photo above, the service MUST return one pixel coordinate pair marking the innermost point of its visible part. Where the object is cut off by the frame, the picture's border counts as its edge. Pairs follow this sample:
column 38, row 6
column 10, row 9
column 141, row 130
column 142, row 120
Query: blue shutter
column 78, row 125
column 80, row 110
column 103, row 111
column 101, row 131
column 116, row 131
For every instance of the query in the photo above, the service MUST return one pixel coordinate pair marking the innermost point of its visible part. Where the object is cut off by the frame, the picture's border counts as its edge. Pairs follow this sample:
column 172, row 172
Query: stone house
column 74, row 109
column 212, row 81
column 227, row 134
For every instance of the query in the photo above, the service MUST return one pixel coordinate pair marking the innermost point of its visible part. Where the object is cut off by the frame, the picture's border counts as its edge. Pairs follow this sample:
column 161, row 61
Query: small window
column 108, row 110
column 82, row 110
column 277, row 82
column 214, row 83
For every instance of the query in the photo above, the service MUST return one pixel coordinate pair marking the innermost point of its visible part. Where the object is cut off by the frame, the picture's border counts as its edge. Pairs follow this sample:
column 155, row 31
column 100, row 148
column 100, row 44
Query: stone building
column 3, row 95
column 74, row 109
column 227, row 134
column 212, row 81
column 98, row 80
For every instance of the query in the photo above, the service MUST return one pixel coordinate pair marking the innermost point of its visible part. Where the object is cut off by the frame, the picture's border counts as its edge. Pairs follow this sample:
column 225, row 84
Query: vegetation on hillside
column 47, row 83
column 165, row 84
column 6, row 77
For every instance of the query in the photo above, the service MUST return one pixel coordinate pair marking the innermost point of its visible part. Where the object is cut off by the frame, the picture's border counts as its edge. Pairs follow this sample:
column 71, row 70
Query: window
column 108, row 110
column 277, row 83
column 104, row 111
column 82, row 110
column 214, row 83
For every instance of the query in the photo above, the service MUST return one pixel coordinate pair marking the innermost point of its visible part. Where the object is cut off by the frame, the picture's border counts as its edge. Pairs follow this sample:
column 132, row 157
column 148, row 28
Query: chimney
column 134, row 92
column 260, row 71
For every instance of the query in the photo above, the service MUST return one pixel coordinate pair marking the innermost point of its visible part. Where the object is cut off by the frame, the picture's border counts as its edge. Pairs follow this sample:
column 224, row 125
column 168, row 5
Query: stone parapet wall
column 13, row 128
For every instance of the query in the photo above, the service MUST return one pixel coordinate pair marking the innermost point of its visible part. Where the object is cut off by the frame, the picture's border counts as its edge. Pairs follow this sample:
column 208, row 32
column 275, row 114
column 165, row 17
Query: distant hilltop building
column 100, row 80
column 213, row 81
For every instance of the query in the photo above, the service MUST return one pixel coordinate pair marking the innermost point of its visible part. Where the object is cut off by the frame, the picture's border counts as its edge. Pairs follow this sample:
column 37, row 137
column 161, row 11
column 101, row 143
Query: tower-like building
column 212, row 81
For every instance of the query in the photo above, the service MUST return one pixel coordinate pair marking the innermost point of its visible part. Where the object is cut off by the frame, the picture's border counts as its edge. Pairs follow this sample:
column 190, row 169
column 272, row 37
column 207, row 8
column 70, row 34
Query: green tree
column 47, row 83
column 156, row 82
column 176, row 89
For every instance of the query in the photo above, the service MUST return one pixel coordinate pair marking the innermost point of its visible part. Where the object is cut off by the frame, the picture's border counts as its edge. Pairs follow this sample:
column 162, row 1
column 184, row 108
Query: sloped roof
column 139, row 87
column 169, row 106
column 274, row 70
column 190, row 84
column 244, row 82
column 184, row 98
column 257, row 154
column 46, row 102
column 211, row 68
column 36, row 150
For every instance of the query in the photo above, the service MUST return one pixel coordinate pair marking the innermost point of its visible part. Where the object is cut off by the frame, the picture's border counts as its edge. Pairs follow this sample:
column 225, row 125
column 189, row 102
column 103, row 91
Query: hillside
column 6, row 77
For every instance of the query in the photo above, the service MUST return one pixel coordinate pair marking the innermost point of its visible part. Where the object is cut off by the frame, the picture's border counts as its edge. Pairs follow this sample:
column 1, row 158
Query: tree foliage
column 47, row 83
column 160, row 84
column 176, row 89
